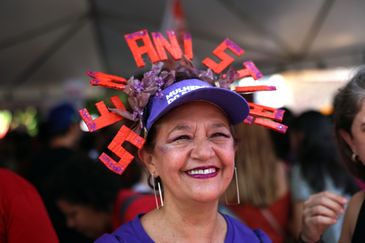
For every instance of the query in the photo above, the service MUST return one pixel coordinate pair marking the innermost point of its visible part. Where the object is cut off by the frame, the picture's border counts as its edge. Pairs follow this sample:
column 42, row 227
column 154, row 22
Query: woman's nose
column 202, row 150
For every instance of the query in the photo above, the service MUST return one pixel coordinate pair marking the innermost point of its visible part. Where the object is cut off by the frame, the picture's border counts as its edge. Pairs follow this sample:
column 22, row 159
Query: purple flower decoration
column 154, row 81
column 225, row 80
column 207, row 76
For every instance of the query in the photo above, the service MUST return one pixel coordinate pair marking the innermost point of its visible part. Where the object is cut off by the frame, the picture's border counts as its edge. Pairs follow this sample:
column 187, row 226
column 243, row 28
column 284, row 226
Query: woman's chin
column 208, row 197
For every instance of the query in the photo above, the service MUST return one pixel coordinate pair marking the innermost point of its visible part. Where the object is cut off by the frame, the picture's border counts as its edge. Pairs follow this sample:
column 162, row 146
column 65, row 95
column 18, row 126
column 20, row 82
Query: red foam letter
column 106, row 117
column 226, row 59
column 124, row 134
column 264, row 111
column 250, row 89
column 249, row 120
column 138, row 51
column 249, row 70
column 271, row 124
column 188, row 46
column 162, row 44
column 107, row 80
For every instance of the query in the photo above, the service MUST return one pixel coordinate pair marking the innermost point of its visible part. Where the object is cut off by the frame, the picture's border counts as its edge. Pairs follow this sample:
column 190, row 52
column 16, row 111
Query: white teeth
column 202, row 172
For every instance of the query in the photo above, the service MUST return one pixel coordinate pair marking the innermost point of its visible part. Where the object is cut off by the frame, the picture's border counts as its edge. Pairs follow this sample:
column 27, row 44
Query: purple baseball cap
column 233, row 104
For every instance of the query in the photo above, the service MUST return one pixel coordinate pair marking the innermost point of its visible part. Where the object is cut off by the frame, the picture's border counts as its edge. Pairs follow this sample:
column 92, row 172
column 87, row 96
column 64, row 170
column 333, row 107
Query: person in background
column 322, row 210
column 14, row 141
column 263, row 184
column 60, row 132
column 92, row 199
column 23, row 216
column 84, row 192
column 281, row 141
column 318, row 168
column 136, row 196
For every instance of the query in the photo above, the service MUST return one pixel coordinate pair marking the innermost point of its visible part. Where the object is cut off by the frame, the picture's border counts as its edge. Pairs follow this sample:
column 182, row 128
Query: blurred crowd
column 72, row 197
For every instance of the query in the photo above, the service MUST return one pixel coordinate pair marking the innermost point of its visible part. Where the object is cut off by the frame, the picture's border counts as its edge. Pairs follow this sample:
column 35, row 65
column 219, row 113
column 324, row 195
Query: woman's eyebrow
column 219, row 125
column 180, row 127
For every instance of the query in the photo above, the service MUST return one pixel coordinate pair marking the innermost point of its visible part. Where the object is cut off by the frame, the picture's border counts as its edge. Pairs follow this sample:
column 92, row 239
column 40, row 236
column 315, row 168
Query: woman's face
column 193, row 153
column 357, row 140
column 85, row 219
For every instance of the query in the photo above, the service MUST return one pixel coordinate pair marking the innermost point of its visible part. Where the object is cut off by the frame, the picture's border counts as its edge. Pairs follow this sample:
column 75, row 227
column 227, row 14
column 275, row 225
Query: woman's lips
column 202, row 172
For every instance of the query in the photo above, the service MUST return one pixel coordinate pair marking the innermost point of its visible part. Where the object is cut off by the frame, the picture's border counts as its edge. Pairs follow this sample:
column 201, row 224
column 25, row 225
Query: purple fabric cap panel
column 234, row 105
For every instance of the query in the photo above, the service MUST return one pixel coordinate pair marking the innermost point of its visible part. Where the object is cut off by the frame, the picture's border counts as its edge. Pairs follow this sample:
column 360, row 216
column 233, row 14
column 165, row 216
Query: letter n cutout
column 172, row 46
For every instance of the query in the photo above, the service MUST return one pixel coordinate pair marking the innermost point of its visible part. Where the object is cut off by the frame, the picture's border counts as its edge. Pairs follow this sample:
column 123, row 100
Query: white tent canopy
column 45, row 45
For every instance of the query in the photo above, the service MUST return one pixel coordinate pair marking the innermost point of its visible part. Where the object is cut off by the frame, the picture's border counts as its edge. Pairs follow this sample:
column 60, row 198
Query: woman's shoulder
column 353, row 209
column 357, row 200
column 351, row 216
column 131, row 232
column 239, row 232
column 355, row 204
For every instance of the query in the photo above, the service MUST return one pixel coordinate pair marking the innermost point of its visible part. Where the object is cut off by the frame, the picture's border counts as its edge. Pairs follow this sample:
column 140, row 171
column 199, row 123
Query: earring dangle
column 355, row 157
column 237, row 189
column 154, row 191
column 159, row 192
column 237, row 185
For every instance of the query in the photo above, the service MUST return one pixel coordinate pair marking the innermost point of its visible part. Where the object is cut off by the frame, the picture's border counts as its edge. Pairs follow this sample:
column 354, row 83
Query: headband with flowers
column 157, row 79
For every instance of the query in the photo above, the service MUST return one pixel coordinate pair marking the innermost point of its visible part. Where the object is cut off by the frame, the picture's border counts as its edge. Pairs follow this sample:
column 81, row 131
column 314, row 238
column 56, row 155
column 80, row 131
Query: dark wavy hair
column 87, row 182
column 318, row 154
column 347, row 103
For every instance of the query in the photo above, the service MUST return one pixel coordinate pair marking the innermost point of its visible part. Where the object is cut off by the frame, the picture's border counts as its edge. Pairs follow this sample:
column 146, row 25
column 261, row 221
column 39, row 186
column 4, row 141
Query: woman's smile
column 203, row 172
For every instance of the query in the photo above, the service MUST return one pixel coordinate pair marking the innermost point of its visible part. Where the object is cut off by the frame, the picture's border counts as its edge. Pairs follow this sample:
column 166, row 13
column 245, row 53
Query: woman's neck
column 190, row 222
column 194, row 212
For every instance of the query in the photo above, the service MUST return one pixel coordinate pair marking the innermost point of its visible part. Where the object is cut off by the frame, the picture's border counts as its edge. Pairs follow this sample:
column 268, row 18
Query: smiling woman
column 195, row 147
column 182, row 121
column 190, row 150
column 194, row 158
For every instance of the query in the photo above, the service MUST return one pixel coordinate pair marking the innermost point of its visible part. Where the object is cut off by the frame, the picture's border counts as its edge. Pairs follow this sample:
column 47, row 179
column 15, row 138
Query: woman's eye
column 181, row 137
column 221, row 134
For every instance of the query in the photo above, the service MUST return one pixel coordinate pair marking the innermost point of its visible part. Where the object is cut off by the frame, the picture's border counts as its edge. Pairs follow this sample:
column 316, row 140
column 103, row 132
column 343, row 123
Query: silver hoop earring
column 154, row 191
column 355, row 158
column 237, row 189
column 159, row 192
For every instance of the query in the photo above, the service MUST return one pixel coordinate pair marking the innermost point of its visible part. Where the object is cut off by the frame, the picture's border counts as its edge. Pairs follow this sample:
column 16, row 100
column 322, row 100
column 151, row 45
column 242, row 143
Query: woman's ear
column 147, row 159
column 235, row 147
column 348, row 139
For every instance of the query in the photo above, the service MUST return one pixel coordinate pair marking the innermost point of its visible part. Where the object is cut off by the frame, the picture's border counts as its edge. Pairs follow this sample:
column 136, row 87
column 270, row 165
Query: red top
column 255, row 219
column 129, row 204
column 23, row 216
